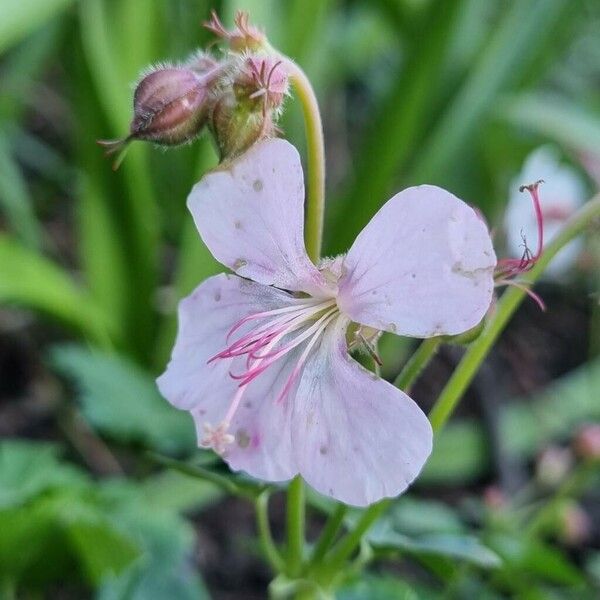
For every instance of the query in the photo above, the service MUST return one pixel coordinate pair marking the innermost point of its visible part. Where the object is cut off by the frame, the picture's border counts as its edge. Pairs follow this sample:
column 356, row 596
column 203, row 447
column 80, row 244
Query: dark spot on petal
column 242, row 438
column 323, row 450
column 217, row 295
column 257, row 185
column 413, row 275
column 248, row 404
column 237, row 224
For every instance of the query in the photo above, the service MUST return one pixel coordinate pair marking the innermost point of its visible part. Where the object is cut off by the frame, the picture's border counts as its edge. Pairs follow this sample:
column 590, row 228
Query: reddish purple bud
column 248, row 103
column 170, row 107
column 587, row 442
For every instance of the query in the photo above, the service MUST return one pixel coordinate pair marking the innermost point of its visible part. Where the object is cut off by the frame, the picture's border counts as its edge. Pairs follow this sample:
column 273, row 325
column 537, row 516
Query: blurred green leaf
column 383, row 587
column 525, row 29
column 524, row 557
column 15, row 200
column 461, row 451
column 165, row 569
column 29, row 279
column 20, row 17
column 554, row 117
column 122, row 400
column 393, row 133
column 101, row 550
column 426, row 528
column 27, row 470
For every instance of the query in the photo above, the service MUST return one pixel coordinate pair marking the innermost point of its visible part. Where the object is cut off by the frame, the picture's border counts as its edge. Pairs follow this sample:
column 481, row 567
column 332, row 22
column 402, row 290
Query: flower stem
column 268, row 545
column 315, row 198
column 295, row 526
column 328, row 534
column 346, row 546
column 507, row 305
column 417, row 362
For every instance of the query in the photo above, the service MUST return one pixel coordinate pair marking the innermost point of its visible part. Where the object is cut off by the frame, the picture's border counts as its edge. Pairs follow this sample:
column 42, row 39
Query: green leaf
column 15, row 200
column 122, row 400
column 102, row 551
column 423, row 528
column 555, row 118
column 383, row 587
column 524, row 556
column 165, row 569
column 516, row 41
column 30, row 280
column 20, row 17
column 27, row 470
column 461, row 451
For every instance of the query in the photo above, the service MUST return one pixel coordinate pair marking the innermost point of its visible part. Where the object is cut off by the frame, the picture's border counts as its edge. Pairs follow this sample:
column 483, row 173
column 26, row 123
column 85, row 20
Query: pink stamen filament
column 309, row 316
column 509, row 267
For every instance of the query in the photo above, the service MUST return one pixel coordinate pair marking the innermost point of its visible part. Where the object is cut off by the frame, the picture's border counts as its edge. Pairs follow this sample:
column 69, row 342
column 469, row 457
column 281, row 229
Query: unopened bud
column 574, row 524
column 243, row 36
column 587, row 442
column 247, row 106
column 170, row 107
column 553, row 465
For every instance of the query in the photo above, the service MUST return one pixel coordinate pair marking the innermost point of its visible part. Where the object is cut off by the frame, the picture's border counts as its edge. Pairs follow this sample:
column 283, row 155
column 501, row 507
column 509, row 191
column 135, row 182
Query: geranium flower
column 261, row 358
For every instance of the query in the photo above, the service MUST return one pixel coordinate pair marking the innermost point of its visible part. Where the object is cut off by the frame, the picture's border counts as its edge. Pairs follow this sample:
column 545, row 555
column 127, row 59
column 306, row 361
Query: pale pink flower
column 261, row 358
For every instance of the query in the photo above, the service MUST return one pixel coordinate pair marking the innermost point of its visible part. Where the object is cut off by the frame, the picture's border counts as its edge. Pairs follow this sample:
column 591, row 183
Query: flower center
column 272, row 335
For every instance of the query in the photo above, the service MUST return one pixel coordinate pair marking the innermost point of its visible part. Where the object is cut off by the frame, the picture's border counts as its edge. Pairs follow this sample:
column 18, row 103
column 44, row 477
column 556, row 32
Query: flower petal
column 190, row 383
column 422, row 267
column 355, row 436
column 251, row 217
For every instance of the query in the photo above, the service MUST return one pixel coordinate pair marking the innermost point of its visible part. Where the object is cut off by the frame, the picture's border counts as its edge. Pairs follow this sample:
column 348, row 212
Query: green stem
column 347, row 545
column 295, row 526
column 264, row 530
column 507, row 305
column 328, row 534
column 417, row 362
column 315, row 145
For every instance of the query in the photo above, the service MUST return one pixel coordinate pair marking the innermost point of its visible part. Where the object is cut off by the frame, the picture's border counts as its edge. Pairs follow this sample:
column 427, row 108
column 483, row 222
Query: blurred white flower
column 561, row 194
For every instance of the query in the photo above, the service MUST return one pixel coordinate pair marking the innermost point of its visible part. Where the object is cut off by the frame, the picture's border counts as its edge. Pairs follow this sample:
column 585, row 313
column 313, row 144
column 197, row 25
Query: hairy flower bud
column 248, row 103
column 170, row 107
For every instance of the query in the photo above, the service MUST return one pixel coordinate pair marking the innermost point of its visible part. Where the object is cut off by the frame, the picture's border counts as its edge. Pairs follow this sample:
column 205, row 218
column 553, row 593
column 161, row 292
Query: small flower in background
column 553, row 465
column 261, row 358
column 563, row 193
column 587, row 442
column 574, row 524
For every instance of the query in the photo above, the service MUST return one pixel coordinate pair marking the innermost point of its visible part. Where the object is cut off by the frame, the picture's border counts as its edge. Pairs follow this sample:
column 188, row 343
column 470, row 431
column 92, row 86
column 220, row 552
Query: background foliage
column 92, row 264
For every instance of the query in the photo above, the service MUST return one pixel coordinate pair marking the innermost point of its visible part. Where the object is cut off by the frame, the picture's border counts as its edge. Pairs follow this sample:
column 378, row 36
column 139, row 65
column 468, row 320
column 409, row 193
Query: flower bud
column 553, row 465
column 574, row 524
column 247, row 105
column 587, row 442
column 170, row 107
